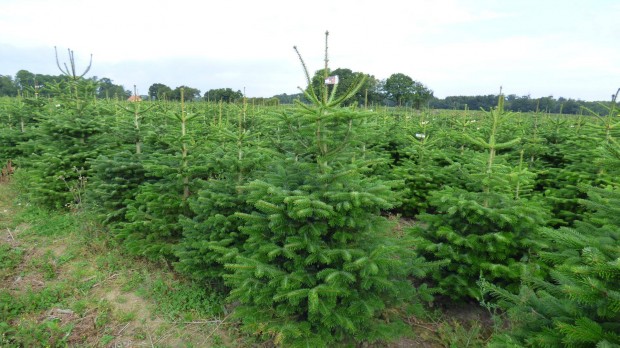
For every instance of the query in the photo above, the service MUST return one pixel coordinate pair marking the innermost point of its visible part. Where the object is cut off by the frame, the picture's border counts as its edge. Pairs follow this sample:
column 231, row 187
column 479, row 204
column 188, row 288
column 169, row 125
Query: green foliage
column 402, row 90
column 152, row 221
column 318, row 266
column 160, row 91
column 187, row 301
column 579, row 305
column 368, row 93
column 213, row 230
column 566, row 164
column 423, row 164
column 288, row 203
column 484, row 229
column 68, row 135
column 9, row 258
column 114, row 183
column 18, row 117
column 189, row 93
column 226, row 95
column 50, row 333
column 151, row 227
column 525, row 104
column 486, row 235
column 7, row 86
column 107, row 89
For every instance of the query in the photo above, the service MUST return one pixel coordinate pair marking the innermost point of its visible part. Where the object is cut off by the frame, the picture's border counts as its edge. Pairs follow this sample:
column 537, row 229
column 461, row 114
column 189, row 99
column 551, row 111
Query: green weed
column 179, row 300
column 10, row 257
column 49, row 333
column 106, row 339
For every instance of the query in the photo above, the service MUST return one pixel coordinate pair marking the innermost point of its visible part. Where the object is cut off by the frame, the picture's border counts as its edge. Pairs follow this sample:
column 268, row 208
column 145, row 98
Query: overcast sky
column 471, row 47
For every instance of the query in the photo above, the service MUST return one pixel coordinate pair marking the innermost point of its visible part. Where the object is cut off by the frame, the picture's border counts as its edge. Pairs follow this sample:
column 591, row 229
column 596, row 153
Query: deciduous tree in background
column 402, row 89
column 369, row 92
column 107, row 89
column 226, row 95
column 190, row 93
column 7, row 86
column 160, row 91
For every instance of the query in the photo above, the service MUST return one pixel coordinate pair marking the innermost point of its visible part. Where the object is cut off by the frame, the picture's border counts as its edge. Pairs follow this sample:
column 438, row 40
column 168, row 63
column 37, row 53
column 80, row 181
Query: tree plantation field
column 319, row 224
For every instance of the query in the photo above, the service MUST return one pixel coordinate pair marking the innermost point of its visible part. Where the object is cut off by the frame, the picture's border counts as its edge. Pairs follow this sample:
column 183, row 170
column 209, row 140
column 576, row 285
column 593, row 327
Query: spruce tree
column 318, row 266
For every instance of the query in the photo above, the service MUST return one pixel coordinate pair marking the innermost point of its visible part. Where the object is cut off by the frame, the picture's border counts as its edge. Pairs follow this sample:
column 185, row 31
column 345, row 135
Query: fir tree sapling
column 317, row 267
column 211, row 237
column 152, row 227
column 485, row 228
column 69, row 135
column 579, row 305
column 421, row 167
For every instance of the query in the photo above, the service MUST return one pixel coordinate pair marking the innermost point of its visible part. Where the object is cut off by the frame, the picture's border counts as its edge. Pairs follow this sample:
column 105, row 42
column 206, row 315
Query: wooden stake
column 10, row 234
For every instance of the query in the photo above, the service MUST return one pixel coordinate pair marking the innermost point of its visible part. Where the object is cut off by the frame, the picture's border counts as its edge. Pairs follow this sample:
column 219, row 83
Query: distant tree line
column 520, row 104
column 28, row 84
column 397, row 90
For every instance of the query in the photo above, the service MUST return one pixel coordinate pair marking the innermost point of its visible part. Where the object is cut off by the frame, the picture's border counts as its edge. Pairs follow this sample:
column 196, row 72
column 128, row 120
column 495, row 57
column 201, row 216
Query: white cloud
column 455, row 47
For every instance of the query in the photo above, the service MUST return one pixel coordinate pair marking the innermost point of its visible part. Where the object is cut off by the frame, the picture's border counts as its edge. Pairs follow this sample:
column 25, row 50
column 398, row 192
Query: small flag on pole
column 332, row 80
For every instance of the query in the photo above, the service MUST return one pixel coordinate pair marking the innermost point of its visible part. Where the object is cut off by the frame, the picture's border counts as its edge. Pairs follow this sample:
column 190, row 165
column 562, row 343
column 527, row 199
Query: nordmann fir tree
column 17, row 116
column 565, row 165
column 318, row 266
column 117, row 175
column 69, row 135
column 484, row 229
column 422, row 166
column 152, row 226
column 579, row 304
column 233, row 155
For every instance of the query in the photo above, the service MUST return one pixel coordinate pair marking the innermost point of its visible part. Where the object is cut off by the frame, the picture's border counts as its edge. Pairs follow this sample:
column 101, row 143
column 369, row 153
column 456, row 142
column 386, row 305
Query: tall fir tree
column 69, row 136
column 118, row 173
column 318, row 266
column 152, row 225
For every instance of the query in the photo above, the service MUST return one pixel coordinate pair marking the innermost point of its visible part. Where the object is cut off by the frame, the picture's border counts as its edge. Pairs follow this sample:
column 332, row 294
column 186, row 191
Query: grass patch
column 64, row 282
column 185, row 301
column 10, row 258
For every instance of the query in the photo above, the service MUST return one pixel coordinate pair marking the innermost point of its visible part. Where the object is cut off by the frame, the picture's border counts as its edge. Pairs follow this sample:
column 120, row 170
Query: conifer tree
column 485, row 227
column 232, row 159
column 69, row 134
column 317, row 267
column 579, row 305
column 564, row 166
column 422, row 166
column 151, row 227
column 17, row 116
column 118, row 173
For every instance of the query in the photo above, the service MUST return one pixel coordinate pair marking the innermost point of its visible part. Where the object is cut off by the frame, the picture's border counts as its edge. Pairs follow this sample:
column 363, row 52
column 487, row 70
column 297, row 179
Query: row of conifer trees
column 288, row 210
